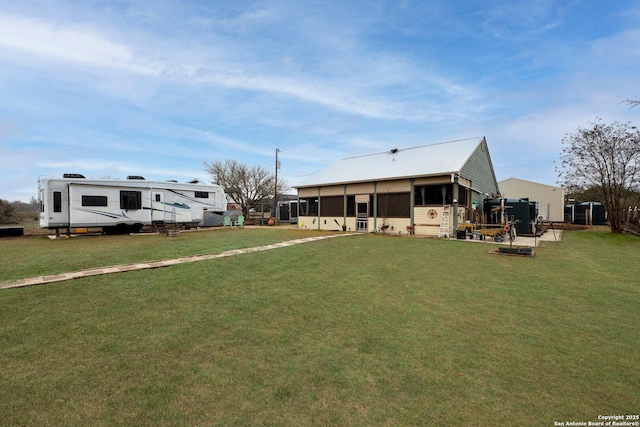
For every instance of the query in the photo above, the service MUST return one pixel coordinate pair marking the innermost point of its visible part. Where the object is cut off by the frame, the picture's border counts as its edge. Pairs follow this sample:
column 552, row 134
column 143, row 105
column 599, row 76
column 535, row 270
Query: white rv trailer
column 124, row 205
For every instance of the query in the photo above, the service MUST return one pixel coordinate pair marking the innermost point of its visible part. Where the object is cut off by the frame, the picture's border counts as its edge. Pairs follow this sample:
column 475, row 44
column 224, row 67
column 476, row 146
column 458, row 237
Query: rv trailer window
column 202, row 194
column 94, row 200
column 130, row 200
column 57, row 201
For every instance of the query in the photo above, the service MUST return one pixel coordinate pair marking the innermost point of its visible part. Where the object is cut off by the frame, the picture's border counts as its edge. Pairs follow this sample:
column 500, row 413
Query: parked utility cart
column 500, row 233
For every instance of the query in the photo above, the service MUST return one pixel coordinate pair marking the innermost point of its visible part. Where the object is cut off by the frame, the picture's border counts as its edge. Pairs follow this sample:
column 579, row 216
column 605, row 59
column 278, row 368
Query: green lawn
column 27, row 257
column 361, row 330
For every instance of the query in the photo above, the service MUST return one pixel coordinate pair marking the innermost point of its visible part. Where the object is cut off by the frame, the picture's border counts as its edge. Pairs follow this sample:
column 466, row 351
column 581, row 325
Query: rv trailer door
column 158, row 209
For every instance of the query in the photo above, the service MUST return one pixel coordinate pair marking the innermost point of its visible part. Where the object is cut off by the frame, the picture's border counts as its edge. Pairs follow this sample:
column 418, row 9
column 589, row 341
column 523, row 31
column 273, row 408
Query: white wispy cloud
column 88, row 46
column 67, row 43
column 514, row 20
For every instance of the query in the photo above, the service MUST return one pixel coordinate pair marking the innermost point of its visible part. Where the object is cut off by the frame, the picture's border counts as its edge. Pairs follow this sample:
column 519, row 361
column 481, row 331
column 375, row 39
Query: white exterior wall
column 396, row 225
column 428, row 218
column 426, row 223
column 550, row 198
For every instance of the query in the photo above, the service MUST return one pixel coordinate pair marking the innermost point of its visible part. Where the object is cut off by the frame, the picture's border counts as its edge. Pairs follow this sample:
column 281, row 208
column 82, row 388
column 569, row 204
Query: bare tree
column 245, row 185
column 632, row 102
column 606, row 157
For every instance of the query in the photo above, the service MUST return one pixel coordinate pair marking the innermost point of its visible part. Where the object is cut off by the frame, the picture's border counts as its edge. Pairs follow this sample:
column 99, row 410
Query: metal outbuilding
column 420, row 190
column 549, row 199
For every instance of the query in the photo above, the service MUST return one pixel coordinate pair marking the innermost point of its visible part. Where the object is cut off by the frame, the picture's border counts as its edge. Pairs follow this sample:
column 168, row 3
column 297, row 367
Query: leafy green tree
column 589, row 194
column 607, row 158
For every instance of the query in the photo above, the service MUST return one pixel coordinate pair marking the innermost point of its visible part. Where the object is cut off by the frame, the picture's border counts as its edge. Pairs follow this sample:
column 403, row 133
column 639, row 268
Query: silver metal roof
column 427, row 160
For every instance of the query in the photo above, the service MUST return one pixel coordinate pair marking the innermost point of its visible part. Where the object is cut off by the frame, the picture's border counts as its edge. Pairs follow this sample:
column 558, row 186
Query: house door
column 362, row 216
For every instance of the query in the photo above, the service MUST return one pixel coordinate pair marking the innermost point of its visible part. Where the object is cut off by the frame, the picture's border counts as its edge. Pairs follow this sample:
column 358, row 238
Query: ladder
column 445, row 228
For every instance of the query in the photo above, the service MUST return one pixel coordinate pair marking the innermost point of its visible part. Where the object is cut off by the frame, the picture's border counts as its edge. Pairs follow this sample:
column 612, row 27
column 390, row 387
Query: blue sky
column 117, row 88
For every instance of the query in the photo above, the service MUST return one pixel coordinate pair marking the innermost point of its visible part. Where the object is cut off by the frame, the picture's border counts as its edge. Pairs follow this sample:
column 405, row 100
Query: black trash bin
column 461, row 234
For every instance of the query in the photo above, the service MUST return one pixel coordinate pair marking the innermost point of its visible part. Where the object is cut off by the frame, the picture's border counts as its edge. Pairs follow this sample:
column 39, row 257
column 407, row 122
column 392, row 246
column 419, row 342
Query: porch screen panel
column 439, row 194
column 394, row 205
column 332, row 206
column 351, row 206
column 309, row 206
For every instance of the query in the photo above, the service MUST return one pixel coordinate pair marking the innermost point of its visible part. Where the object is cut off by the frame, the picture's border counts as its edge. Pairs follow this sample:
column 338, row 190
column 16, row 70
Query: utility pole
column 275, row 190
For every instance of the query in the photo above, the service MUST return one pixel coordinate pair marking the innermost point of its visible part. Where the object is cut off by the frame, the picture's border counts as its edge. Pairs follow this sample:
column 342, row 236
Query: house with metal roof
column 424, row 190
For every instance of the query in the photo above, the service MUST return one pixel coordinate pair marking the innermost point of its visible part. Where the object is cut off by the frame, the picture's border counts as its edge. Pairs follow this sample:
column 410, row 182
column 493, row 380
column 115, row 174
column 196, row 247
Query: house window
column 130, row 200
column 363, row 209
column 202, row 195
column 94, row 200
column 57, row 201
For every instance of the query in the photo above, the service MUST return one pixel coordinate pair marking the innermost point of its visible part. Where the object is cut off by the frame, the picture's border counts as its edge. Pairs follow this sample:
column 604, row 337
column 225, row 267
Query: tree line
column 11, row 212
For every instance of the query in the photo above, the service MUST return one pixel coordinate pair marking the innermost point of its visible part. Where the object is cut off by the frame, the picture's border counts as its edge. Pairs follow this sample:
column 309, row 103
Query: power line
column 298, row 176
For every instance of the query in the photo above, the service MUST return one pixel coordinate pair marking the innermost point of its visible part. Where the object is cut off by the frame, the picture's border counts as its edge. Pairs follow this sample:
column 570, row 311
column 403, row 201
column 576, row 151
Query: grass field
column 361, row 330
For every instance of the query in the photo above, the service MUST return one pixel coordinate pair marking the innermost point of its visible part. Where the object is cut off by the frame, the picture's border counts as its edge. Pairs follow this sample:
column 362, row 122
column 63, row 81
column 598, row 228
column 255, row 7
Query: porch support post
column 344, row 206
column 319, row 202
column 412, row 201
column 455, row 202
column 375, row 206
